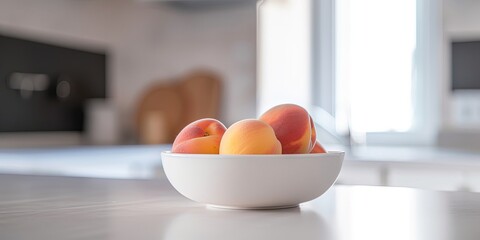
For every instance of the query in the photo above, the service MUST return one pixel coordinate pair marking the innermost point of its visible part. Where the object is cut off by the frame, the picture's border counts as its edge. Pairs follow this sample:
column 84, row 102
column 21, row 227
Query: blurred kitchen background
column 99, row 88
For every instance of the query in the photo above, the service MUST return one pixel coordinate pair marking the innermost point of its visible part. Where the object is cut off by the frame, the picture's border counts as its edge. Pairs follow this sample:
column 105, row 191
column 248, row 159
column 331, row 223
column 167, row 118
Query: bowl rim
column 300, row 155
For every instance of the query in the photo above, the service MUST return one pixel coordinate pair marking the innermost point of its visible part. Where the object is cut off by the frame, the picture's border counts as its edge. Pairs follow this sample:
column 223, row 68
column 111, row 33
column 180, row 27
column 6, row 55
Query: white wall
column 149, row 42
column 461, row 22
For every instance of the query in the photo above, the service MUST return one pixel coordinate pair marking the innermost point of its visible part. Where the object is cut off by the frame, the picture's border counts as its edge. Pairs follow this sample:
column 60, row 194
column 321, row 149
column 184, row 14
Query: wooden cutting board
column 168, row 106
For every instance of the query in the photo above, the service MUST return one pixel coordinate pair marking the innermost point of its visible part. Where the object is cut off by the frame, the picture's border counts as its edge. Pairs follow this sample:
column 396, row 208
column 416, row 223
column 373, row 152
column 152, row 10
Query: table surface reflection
column 45, row 207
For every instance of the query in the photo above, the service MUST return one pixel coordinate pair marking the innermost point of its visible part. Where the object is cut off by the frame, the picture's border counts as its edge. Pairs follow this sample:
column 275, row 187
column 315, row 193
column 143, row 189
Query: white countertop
column 136, row 161
column 144, row 162
column 48, row 207
column 405, row 154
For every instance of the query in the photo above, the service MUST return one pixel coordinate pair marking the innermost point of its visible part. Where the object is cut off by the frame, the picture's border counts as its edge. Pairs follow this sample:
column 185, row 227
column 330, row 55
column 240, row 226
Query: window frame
column 427, row 73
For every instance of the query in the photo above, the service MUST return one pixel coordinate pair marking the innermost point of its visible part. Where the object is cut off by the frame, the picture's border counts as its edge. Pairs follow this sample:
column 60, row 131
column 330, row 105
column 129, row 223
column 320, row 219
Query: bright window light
column 375, row 45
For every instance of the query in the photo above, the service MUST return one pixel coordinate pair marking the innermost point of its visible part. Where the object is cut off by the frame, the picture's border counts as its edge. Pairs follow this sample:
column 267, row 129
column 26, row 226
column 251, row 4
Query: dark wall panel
column 466, row 65
column 44, row 87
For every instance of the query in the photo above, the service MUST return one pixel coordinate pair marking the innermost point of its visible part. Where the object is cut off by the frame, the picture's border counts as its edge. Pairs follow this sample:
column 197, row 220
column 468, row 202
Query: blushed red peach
column 318, row 148
column 293, row 127
column 250, row 136
column 202, row 137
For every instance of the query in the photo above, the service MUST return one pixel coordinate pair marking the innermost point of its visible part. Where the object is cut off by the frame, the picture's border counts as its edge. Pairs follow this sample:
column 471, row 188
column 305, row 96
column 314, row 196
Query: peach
column 293, row 127
column 318, row 148
column 250, row 136
column 202, row 136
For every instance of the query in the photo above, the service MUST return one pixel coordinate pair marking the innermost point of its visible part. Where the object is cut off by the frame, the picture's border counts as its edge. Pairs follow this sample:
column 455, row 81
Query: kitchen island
column 61, row 207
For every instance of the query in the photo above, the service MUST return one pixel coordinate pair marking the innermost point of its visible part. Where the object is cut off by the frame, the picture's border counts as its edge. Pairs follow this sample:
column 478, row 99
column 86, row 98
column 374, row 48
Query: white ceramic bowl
column 252, row 181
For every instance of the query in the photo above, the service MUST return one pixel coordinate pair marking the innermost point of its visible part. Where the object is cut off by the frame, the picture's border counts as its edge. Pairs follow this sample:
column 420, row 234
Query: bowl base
column 251, row 208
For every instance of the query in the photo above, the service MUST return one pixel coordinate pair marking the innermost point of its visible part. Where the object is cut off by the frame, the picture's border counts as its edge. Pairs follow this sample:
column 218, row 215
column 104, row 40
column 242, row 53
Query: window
column 377, row 67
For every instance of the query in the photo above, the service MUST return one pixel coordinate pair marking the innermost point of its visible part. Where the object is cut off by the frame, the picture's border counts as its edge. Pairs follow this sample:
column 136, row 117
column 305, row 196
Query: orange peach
column 201, row 136
column 318, row 148
column 250, row 136
column 293, row 127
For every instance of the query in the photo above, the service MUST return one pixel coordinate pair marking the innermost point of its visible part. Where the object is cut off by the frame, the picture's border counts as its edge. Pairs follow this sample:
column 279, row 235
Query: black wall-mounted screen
column 466, row 65
column 44, row 87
